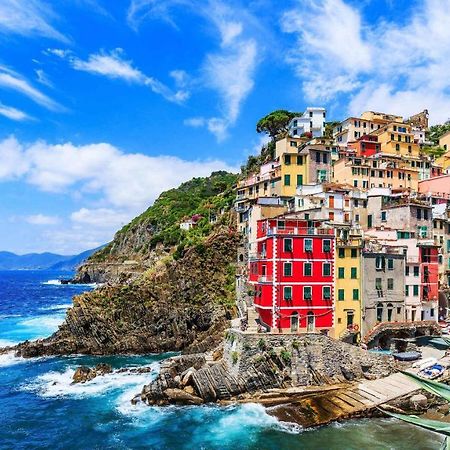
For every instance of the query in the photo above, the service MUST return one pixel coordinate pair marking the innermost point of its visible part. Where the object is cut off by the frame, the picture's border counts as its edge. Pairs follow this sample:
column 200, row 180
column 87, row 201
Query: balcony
column 265, row 279
column 297, row 231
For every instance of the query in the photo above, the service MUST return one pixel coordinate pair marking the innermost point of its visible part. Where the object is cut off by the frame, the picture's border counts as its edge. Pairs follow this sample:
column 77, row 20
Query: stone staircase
column 252, row 316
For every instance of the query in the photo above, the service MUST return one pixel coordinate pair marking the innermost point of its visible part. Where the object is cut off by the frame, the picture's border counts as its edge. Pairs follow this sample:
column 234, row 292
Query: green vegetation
column 437, row 131
column 262, row 344
column 286, row 356
column 328, row 132
column 234, row 357
column 204, row 198
column 435, row 152
column 276, row 122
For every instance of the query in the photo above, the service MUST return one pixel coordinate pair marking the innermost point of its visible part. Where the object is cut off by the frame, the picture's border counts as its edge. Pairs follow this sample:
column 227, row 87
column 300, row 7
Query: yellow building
column 294, row 167
column 375, row 171
column 397, row 138
column 444, row 141
column 348, row 291
column 444, row 160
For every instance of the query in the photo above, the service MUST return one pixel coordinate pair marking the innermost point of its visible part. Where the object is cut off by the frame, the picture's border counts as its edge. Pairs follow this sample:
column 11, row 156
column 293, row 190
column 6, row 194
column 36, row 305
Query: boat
column 407, row 356
column 432, row 372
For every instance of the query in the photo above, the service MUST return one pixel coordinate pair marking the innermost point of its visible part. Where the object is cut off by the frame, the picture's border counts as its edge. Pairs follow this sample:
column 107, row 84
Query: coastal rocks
column 418, row 401
column 83, row 373
column 172, row 309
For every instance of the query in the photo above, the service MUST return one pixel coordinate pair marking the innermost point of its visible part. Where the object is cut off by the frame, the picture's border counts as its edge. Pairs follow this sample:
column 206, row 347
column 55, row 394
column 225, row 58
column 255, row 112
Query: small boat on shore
column 432, row 372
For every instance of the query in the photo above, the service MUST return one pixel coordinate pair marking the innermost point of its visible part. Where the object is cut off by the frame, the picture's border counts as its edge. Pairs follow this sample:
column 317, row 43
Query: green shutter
column 299, row 180
column 354, row 274
column 287, row 180
column 326, row 292
column 326, row 269
column 355, row 294
column 341, row 272
column 341, row 294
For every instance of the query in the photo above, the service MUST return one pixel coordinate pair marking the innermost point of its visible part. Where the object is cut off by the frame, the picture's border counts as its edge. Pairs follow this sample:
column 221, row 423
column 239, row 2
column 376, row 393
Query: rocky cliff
column 182, row 304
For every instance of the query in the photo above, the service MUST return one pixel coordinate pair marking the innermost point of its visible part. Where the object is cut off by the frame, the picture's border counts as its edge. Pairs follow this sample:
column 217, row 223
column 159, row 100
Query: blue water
column 40, row 409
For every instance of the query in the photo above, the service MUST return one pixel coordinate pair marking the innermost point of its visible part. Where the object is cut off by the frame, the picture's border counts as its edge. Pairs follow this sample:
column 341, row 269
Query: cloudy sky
column 104, row 104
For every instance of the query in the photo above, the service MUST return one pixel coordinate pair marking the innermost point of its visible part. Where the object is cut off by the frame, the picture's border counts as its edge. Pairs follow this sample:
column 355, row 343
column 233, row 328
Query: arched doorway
column 294, row 322
column 310, row 322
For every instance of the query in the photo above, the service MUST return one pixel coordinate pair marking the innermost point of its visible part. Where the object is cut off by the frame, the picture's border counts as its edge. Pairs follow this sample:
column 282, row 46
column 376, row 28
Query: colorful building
column 293, row 275
column 311, row 121
column 348, row 286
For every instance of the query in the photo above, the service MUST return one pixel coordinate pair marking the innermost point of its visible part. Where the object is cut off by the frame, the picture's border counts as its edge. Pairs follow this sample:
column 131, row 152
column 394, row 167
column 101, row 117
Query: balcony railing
column 265, row 279
column 312, row 231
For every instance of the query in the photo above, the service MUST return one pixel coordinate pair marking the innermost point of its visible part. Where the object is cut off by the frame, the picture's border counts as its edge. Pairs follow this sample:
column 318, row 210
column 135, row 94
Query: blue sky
column 104, row 104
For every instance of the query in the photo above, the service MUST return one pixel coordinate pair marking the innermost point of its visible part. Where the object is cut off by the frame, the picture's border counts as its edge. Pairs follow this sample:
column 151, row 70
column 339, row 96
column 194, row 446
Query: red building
column 366, row 145
column 429, row 272
column 293, row 274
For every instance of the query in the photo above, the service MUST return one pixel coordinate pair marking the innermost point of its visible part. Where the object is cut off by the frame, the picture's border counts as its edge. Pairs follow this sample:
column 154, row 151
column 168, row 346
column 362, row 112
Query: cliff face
column 179, row 304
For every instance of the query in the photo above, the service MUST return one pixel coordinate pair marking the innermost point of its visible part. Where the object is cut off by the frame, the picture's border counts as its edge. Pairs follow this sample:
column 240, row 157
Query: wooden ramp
column 351, row 401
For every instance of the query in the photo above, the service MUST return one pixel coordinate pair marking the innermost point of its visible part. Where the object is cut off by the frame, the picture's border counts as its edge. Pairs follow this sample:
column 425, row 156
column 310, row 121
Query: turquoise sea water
column 40, row 409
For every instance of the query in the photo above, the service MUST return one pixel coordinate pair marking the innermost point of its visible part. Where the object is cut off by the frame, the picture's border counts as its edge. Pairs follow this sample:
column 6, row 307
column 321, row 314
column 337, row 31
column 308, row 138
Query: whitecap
column 43, row 322
column 52, row 282
column 9, row 359
column 59, row 384
column 6, row 343
column 57, row 307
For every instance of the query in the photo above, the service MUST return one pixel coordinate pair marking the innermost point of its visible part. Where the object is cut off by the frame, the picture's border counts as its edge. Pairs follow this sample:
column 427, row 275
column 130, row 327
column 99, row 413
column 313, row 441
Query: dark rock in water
column 179, row 396
column 84, row 373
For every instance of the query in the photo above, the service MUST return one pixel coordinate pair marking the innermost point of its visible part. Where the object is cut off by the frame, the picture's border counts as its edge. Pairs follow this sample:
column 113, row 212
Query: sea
column 41, row 409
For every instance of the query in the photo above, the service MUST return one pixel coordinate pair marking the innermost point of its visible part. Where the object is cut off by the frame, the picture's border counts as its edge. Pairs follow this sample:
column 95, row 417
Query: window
column 326, row 269
column 390, row 264
column 341, row 272
column 326, row 292
column 355, row 294
column 397, row 147
column 281, row 224
column 389, row 312
column 287, row 269
column 341, row 253
column 299, row 160
column 287, row 159
column 407, row 271
column 287, row 292
column 380, row 312
column 308, row 245
column 325, row 158
column 416, row 271
column 287, row 180
column 293, row 144
column 341, row 294
column 378, row 285
column 354, row 253
column 317, row 157
column 326, row 246
column 307, row 292
column 383, row 216
column 353, row 273
column 407, row 290
column 415, row 290
column 287, row 244
column 379, row 263
column 307, row 269
column 390, row 284
column 299, row 180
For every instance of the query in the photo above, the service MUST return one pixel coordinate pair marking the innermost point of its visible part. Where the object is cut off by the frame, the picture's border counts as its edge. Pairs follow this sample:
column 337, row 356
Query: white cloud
column 130, row 181
column 100, row 217
column 13, row 81
column 113, row 65
column 13, row 113
column 380, row 65
column 43, row 78
column 42, row 219
column 229, row 71
column 28, row 18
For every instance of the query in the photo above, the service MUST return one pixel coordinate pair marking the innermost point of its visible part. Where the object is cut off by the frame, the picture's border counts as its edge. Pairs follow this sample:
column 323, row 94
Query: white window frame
column 310, row 289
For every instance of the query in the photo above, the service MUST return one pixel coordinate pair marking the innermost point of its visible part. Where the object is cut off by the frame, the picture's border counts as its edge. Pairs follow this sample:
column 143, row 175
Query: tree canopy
column 276, row 122
column 436, row 131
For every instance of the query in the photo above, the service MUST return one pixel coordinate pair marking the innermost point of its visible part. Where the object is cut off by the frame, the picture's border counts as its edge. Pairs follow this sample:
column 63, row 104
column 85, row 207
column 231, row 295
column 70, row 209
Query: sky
column 104, row 104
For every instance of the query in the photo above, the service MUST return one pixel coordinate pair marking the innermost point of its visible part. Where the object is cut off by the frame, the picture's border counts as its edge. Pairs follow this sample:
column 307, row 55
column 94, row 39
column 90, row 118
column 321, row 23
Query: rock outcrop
column 182, row 304
column 253, row 364
column 84, row 373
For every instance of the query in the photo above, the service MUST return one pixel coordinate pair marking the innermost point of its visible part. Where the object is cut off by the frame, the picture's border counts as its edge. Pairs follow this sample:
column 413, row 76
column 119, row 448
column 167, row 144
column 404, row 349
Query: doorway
column 294, row 322
column 310, row 325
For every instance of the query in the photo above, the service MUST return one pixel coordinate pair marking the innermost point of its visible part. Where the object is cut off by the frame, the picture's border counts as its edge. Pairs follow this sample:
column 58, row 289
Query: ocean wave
column 9, row 359
column 59, row 283
column 59, row 385
column 44, row 323
column 56, row 307
column 52, row 282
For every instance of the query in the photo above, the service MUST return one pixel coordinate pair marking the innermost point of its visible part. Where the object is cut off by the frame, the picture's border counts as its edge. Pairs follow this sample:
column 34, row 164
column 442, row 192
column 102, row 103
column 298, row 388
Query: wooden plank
column 383, row 389
column 342, row 404
column 377, row 395
column 351, row 401
column 366, row 401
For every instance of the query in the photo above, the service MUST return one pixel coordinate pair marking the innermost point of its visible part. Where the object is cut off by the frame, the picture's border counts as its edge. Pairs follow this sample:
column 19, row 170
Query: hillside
column 42, row 261
column 182, row 293
column 156, row 233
